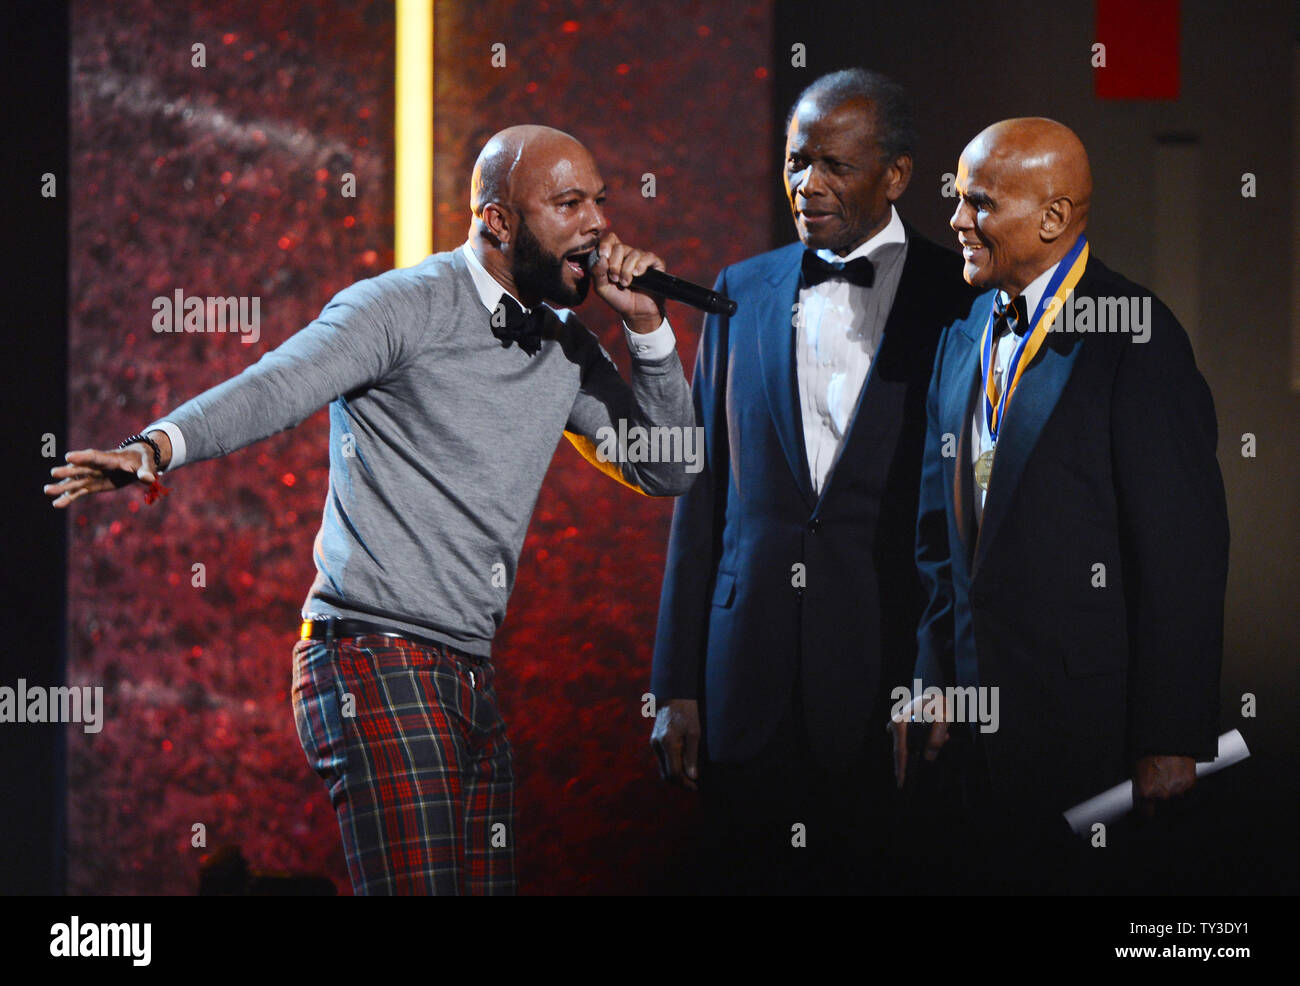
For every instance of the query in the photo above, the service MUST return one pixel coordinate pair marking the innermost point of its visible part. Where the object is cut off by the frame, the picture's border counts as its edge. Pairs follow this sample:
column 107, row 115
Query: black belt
column 331, row 629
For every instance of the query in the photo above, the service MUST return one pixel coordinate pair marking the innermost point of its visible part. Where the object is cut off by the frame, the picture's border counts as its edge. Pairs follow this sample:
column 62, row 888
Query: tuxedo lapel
column 1027, row 413
column 957, row 405
column 774, row 315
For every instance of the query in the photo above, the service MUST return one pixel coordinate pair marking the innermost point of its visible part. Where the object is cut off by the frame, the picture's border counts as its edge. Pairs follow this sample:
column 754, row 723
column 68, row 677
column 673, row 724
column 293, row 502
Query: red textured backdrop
column 224, row 180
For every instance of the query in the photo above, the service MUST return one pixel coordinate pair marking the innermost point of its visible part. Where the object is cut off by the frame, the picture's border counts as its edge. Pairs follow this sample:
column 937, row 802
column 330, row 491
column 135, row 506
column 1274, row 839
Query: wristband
column 157, row 452
column 156, row 489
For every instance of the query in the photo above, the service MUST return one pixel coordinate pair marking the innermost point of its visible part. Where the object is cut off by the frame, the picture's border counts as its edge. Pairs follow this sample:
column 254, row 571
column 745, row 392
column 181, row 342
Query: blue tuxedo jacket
column 764, row 580
column 1106, row 458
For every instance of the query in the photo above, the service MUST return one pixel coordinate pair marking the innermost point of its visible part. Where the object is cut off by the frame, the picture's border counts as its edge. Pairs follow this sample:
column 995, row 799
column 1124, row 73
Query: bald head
column 1024, row 187
column 1041, row 155
column 515, row 159
column 538, row 200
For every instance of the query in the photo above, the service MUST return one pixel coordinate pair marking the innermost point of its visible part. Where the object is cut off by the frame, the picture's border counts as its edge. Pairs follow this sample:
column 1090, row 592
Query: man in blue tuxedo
column 790, row 598
column 1072, row 532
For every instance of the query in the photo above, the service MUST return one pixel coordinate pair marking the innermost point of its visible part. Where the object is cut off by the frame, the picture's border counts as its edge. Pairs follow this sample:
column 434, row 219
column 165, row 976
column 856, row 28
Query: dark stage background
column 224, row 180
column 1168, row 212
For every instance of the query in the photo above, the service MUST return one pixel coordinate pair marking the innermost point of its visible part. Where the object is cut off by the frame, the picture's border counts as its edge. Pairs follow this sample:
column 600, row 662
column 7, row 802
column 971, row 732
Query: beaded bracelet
column 157, row 452
column 156, row 489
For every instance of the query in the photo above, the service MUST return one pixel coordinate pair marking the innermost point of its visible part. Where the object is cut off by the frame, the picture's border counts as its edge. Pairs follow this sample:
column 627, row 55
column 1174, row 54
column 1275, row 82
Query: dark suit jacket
column 1107, row 456
column 733, row 625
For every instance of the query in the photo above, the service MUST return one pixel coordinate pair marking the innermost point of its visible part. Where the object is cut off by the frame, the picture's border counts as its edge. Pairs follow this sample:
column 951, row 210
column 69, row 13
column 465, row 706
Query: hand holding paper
column 1118, row 800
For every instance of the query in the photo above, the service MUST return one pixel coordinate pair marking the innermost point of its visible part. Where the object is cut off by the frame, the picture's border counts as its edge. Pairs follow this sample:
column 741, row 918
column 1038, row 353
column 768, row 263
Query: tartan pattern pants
column 414, row 755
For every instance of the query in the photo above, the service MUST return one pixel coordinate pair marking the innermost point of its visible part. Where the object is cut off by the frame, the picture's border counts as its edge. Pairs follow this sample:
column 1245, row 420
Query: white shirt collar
column 1032, row 294
column 893, row 233
column 489, row 288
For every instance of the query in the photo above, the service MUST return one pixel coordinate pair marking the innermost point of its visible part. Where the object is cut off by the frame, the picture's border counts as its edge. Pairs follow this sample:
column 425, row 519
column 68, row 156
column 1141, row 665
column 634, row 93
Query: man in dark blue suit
column 1072, row 531
column 791, row 598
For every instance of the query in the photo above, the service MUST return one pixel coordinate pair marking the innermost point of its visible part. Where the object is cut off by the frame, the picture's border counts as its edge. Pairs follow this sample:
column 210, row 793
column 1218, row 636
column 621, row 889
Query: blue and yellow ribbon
column 1049, row 307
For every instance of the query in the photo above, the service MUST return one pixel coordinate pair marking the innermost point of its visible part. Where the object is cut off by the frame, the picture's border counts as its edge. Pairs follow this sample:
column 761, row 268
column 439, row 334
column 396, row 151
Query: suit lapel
column 1031, row 406
column 957, row 405
column 776, row 341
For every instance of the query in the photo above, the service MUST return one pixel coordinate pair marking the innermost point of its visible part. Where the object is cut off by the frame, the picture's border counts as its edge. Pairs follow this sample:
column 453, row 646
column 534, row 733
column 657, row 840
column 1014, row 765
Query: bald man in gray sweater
column 449, row 384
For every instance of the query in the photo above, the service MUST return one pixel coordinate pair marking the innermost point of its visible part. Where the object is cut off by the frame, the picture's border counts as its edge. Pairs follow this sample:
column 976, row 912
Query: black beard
column 539, row 273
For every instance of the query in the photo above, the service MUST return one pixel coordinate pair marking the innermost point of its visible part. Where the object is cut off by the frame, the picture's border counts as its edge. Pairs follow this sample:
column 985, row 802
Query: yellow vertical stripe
column 413, row 140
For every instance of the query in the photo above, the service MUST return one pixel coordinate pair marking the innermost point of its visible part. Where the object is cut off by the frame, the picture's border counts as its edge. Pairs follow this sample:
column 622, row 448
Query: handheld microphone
column 677, row 289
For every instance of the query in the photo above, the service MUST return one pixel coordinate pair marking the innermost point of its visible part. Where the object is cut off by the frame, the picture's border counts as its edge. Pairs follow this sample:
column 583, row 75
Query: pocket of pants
column 317, row 712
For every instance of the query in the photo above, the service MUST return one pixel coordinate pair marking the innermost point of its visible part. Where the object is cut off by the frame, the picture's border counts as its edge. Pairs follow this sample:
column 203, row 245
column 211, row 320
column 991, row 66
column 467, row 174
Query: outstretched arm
column 355, row 340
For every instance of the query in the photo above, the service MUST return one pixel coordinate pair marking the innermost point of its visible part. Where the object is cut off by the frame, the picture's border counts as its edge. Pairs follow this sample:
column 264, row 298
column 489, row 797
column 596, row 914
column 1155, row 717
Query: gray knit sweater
column 439, row 441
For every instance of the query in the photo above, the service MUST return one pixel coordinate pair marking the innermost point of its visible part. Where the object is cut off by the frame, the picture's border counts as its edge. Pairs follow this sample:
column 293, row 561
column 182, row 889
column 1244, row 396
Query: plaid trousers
column 414, row 755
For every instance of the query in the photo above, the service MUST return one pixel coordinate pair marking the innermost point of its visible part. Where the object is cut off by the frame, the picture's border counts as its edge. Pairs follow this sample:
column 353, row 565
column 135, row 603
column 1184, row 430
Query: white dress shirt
column 837, row 334
column 1004, row 347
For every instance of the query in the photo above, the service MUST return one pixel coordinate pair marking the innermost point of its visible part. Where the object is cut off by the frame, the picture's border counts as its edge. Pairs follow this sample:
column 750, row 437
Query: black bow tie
column 510, row 324
column 1013, row 315
column 815, row 270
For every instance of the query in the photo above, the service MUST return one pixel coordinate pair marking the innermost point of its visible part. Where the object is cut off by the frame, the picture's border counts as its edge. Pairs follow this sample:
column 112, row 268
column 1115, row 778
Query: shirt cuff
column 175, row 437
column 651, row 345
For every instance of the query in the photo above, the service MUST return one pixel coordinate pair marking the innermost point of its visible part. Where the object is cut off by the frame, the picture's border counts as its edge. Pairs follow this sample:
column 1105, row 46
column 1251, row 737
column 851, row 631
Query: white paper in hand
column 1118, row 801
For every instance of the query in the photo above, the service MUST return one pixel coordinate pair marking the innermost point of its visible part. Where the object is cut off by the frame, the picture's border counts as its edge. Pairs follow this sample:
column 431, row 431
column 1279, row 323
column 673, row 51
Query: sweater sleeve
column 356, row 340
column 643, row 435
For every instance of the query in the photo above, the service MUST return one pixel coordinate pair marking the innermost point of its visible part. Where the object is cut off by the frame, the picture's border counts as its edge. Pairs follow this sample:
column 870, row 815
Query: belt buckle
column 308, row 625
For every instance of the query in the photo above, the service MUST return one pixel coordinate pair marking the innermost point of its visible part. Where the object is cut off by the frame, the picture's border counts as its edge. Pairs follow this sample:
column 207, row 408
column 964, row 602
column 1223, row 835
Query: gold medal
column 984, row 470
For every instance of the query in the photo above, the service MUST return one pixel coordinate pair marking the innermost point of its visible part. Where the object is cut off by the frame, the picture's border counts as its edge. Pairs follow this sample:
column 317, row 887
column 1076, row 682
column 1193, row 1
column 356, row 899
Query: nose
column 595, row 220
column 806, row 182
column 961, row 217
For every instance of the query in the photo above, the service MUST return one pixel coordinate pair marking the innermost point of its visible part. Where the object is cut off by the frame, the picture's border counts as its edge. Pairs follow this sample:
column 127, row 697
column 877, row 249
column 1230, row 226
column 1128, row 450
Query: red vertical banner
column 1140, row 40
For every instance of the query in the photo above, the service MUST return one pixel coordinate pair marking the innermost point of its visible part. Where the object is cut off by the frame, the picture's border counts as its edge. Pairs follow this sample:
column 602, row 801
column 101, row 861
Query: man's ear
column 1056, row 218
column 498, row 222
column 900, row 173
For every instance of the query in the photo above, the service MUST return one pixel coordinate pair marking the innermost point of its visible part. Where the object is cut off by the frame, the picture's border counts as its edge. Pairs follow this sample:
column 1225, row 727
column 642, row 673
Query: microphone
column 677, row 289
